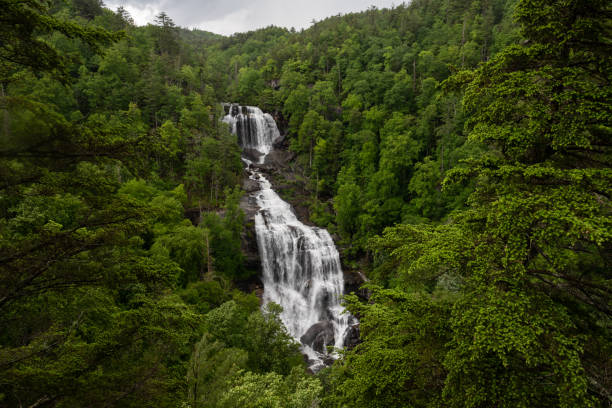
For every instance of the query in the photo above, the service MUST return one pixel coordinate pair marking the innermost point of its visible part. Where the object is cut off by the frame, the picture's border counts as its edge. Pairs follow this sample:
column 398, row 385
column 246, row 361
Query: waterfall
column 301, row 266
column 257, row 131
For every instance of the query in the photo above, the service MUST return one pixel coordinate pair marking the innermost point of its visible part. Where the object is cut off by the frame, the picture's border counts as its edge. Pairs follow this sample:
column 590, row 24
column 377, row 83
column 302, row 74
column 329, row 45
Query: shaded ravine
column 300, row 264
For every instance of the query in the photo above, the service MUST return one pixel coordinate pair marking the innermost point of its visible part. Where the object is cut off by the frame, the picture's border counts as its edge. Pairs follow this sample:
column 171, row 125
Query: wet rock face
column 351, row 337
column 319, row 336
column 252, row 154
column 353, row 281
column 250, row 186
column 248, row 241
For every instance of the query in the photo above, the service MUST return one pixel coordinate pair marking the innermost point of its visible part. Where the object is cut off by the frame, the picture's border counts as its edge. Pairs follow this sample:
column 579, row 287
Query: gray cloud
column 227, row 17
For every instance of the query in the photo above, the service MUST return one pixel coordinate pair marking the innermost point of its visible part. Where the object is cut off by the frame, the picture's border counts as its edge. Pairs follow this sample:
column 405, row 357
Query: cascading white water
column 301, row 266
column 257, row 131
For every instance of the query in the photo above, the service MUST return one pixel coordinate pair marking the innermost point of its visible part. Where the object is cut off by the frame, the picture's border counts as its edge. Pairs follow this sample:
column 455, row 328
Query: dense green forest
column 459, row 150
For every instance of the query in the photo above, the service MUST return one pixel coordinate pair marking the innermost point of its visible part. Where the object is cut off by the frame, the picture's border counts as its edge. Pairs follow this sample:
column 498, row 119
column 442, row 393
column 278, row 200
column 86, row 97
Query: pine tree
column 167, row 40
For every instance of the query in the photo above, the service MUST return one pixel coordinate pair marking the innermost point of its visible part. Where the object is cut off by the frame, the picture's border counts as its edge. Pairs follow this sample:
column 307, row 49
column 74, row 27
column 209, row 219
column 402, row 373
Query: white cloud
column 229, row 24
column 228, row 17
column 142, row 14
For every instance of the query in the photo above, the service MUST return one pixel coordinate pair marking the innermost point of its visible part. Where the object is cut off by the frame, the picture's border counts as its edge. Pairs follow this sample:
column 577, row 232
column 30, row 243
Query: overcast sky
column 228, row 17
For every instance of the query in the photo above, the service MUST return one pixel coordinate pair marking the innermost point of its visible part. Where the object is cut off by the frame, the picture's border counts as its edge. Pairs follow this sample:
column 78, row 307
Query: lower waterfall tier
column 302, row 273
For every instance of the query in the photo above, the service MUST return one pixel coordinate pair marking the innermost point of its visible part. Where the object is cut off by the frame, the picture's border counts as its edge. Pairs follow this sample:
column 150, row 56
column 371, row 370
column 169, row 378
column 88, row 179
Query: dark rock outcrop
column 248, row 240
column 250, row 186
column 251, row 154
column 353, row 280
column 319, row 336
column 351, row 337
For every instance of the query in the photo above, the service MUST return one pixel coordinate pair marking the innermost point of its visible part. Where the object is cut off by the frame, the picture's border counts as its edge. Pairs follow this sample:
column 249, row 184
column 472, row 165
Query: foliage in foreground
column 120, row 227
column 103, row 279
column 519, row 280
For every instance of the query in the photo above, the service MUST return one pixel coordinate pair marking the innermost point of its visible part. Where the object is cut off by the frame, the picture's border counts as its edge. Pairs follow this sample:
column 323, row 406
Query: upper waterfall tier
column 257, row 131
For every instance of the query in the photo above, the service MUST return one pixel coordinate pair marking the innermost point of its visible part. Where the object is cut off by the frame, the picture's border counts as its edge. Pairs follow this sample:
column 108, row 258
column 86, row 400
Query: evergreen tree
column 528, row 261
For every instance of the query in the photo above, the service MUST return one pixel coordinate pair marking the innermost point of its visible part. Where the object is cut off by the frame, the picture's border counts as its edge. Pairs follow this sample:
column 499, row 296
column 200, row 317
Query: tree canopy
column 458, row 151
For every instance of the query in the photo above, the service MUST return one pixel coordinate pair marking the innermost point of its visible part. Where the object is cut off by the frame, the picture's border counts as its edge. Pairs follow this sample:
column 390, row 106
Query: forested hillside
column 459, row 151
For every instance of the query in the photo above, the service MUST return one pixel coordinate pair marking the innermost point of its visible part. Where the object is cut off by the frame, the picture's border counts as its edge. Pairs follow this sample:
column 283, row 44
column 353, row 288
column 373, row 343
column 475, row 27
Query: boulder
column 251, row 154
column 319, row 335
column 250, row 186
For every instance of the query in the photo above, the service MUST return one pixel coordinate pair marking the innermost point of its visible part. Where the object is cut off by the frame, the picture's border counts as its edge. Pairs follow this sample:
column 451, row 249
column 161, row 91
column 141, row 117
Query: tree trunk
column 310, row 153
column 5, row 113
column 462, row 43
column 414, row 75
column 339, row 77
column 209, row 271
